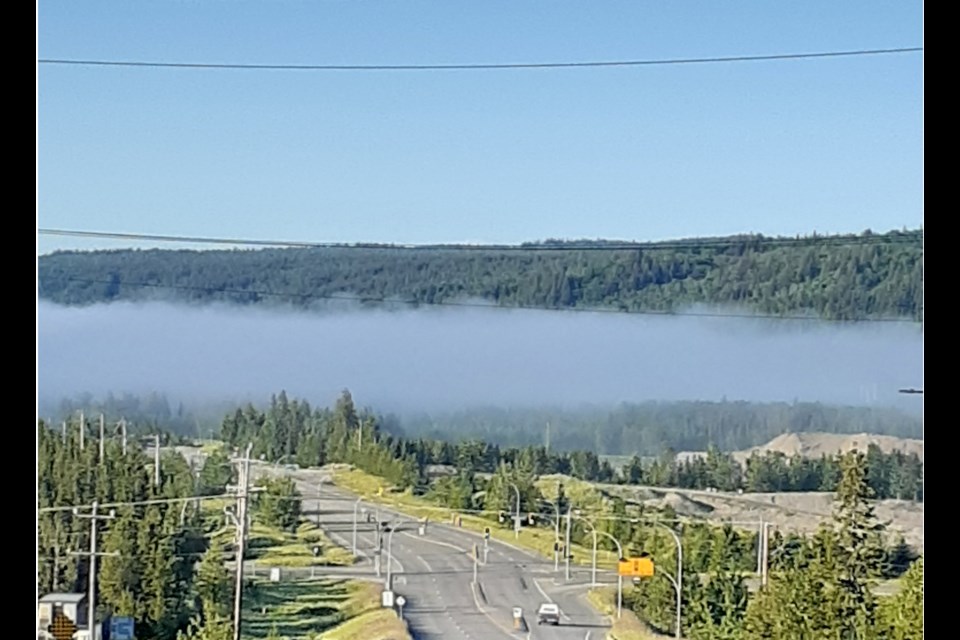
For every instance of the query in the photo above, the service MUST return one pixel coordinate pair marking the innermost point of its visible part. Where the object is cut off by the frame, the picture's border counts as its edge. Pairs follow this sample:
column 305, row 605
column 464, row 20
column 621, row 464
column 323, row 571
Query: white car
column 548, row 613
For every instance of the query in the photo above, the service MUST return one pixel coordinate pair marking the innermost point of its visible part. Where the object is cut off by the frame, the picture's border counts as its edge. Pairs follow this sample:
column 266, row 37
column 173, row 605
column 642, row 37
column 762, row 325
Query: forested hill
column 835, row 277
column 653, row 427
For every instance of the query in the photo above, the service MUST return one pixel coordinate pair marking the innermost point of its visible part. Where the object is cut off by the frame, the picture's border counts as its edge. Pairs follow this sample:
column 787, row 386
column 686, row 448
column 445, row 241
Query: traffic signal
column 486, row 533
column 502, row 517
column 530, row 519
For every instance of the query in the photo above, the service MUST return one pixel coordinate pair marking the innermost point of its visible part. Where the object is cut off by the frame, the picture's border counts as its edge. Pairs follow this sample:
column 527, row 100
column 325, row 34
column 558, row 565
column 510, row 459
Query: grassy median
column 323, row 608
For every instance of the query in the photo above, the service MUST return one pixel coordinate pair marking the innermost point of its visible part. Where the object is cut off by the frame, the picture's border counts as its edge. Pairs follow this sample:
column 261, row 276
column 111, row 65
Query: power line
column 480, row 66
column 478, row 305
column 905, row 237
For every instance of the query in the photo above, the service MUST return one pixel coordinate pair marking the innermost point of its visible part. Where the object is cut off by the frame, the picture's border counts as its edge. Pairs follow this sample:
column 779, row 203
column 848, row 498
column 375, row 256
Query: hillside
column 815, row 445
column 836, row 277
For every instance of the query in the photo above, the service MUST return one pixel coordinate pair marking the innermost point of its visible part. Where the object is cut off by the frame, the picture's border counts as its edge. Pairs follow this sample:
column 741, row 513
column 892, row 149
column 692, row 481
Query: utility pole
column 765, row 550
column 123, row 430
column 566, row 545
column 83, row 427
column 156, row 461
column 556, row 536
column 356, row 505
column 63, row 431
column 548, row 438
column 243, row 490
column 101, row 438
column 760, row 550
column 93, row 553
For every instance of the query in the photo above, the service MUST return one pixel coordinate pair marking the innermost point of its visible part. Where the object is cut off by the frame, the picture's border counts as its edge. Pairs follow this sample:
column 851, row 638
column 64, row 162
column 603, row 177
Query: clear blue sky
column 644, row 153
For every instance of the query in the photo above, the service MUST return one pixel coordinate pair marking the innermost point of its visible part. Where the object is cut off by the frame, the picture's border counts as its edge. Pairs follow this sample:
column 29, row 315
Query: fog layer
column 444, row 359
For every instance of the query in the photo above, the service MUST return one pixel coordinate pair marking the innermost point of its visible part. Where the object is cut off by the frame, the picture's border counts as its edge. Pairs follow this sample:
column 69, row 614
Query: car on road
column 548, row 613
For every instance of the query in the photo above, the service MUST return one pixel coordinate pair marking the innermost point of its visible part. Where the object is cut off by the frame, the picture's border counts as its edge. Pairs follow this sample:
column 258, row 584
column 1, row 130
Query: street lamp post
column 556, row 536
column 678, row 583
column 593, row 530
column 619, row 577
column 319, row 489
column 356, row 505
column 516, row 522
column 393, row 530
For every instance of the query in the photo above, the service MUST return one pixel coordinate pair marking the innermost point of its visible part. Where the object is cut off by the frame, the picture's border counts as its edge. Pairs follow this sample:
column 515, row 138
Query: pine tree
column 903, row 613
column 211, row 629
column 860, row 554
column 213, row 583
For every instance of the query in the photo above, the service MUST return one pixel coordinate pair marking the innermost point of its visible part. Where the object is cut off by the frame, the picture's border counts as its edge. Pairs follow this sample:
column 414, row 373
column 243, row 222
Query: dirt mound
column 682, row 505
column 814, row 445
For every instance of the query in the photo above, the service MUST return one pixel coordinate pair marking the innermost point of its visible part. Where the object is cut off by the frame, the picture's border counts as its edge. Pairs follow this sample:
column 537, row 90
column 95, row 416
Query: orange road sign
column 636, row 567
column 62, row 627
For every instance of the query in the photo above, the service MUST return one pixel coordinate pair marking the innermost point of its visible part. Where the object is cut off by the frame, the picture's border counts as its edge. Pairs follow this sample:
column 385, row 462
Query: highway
column 434, row 573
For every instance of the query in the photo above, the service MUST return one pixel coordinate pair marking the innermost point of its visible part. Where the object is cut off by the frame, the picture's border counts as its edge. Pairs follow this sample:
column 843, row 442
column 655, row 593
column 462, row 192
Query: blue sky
column 783, row 147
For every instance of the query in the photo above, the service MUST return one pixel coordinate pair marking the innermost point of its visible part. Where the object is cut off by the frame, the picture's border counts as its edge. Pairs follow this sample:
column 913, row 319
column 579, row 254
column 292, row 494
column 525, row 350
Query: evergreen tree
column 903, row 613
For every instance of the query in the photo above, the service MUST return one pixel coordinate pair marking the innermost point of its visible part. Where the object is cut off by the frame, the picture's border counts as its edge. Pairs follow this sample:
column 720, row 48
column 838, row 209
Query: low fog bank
column 444, row 359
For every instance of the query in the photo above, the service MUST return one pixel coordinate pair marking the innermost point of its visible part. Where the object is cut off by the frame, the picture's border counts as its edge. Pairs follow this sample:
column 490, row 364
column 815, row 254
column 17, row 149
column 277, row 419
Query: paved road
column 434, row 572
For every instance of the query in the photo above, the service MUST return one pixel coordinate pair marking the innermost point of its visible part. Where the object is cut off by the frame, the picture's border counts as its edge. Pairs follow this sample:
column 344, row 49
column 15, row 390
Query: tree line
column 170, row 572
column 820, row 587
column 835, row 277
column 647, row 428
column 293, row 430
column 153, row 578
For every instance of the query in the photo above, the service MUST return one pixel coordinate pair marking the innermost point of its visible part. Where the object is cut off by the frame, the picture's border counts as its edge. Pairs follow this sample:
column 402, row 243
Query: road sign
column 401, row 601
column 62, row 627
column 636, row 567
column 387, row 598
column 121, row 628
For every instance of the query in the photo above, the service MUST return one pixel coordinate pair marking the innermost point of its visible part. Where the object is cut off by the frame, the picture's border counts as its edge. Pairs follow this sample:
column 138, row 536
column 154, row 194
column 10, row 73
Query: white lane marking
column 587, row 637
column 438, row 542
column 476, row 601
column 549, row 599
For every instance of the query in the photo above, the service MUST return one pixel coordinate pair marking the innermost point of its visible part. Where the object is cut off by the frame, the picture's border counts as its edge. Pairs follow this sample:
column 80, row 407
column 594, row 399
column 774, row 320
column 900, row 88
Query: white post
column 156, row 461
column 355, row 506
column 594, row 576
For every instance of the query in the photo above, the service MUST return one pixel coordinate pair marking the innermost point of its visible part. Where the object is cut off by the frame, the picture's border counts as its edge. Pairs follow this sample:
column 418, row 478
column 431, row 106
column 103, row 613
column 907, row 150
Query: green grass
column 379, row 624
column 308, row 609
column 537, row 539
column 274, row 548
column 269, row 546
column 629, row 626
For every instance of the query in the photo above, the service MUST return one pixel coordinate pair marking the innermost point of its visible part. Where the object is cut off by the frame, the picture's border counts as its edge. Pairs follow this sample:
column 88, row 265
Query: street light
column 556, row 535
column 678, row 583
column 319, row 489
column 516, row 522
column 593, row 529
column 393, row 530
column 356, row 506
column 619, row 577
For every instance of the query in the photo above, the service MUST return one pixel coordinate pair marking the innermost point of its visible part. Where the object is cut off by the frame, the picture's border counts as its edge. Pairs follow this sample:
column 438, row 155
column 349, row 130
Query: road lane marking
column 549, row 599
column 476, row 601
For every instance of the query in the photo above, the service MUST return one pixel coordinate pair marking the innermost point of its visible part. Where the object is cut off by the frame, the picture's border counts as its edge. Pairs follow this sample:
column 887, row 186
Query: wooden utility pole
column 156, row 461
column 93, row 553
column 243, row 490
column 101, row 438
